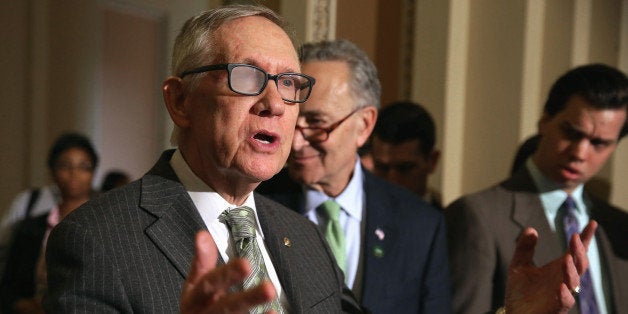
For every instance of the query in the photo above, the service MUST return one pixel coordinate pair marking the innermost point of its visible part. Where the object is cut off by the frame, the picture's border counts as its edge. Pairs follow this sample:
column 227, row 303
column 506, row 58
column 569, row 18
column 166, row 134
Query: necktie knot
column 331, row 210
column 570, row 221
column 241, row 224
column 570, row 205
column 241, row 221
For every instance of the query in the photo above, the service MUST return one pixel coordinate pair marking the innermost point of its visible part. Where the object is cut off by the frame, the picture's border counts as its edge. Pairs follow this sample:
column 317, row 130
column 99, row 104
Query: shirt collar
column 551, row 194
column 351, row 199
column 207, row 201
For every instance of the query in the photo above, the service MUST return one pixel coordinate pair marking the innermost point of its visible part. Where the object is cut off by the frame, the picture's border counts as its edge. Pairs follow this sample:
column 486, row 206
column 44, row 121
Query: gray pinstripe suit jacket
column 130, row 250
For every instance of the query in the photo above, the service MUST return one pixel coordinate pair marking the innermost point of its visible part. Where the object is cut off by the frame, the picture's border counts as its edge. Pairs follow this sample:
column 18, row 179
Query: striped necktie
column 241, row 223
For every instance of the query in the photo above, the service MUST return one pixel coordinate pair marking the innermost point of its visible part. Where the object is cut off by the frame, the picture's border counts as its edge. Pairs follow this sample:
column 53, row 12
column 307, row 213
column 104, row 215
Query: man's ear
column 174, row 97
column 433, row 159
column 368, row 116
column 542, row 123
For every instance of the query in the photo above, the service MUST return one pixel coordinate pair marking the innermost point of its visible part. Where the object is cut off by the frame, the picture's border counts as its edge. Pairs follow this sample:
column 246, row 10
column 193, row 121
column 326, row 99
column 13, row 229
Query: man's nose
column 298, row 140
column 579, row 149
column 271, row 103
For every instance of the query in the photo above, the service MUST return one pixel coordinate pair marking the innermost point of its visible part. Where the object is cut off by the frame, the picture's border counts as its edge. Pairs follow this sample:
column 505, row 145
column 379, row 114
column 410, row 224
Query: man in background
column 390, row 244
column 402, row 148
column 583, row 120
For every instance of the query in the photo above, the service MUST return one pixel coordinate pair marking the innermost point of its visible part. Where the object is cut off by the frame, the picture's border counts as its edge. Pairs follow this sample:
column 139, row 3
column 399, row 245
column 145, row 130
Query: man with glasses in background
column 153, row 245
column 389, row 243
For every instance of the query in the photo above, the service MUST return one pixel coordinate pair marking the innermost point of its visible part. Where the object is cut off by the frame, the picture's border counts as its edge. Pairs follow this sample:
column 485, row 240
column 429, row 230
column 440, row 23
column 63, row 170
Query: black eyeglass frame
column 231, row 66
column 327, row 130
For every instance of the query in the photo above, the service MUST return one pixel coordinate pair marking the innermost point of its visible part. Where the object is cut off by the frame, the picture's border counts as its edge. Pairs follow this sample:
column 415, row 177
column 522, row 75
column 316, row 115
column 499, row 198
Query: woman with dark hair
column 71, row 161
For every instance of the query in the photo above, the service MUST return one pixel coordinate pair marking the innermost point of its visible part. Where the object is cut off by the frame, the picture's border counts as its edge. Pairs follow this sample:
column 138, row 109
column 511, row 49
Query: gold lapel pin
column 287, row 242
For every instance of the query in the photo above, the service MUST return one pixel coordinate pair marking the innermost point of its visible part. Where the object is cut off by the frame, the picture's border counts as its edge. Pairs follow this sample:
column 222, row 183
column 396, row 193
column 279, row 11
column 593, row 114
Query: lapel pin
column 378, row 251
column 380, row 234
column 287, row 242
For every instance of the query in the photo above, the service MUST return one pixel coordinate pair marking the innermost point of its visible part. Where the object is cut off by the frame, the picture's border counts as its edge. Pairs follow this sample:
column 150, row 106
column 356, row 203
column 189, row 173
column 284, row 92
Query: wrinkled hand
column 546, row 289
column 206, row 289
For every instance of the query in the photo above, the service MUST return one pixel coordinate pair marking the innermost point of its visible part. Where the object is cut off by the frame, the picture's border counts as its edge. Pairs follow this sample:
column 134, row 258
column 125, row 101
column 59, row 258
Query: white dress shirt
column 351, row 201
column 210, row 205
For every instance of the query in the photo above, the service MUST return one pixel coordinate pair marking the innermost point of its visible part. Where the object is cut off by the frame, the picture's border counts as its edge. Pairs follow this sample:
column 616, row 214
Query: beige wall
column 53, row 54
column 502, row 57
column 14, row 160
column 482, row 67
column 131, row 108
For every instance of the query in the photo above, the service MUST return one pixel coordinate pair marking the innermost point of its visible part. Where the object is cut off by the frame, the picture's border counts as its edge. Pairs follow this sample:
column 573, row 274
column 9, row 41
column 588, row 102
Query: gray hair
column 364, row 83
column 195, row 42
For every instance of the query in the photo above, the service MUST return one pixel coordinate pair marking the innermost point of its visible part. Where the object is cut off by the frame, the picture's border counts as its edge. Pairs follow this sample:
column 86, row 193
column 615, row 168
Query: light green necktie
column 334, row 234
column 241, row 223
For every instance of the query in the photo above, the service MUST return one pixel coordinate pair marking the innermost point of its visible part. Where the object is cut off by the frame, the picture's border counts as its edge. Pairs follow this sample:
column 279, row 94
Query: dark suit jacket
column 130, row 250
column 482, row 234
column 412, row 274
column 18, row 281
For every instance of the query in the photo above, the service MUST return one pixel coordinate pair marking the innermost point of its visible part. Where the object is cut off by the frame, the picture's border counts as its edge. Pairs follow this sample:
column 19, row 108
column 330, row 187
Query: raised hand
column 546, row 289
column 206, row 290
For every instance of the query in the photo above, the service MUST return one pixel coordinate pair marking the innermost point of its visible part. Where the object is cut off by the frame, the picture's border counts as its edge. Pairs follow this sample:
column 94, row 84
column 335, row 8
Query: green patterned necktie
column 334, row 234
column 241, row 224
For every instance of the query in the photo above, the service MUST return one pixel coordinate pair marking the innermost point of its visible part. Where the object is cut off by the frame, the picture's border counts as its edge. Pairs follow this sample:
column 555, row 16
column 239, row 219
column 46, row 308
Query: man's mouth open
column 265, row 138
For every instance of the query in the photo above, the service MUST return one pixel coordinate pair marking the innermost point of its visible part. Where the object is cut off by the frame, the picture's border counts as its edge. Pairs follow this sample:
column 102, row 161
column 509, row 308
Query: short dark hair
column 526, row 149
column 113, row 179
column 71, row 140
column 196, row 43
column 604, row 87
column 403, row 121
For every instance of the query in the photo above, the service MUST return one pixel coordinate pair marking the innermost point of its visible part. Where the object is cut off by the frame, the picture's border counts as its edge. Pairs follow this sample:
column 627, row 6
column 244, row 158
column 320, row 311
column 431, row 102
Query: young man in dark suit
column 583, row 120
column 402, row 148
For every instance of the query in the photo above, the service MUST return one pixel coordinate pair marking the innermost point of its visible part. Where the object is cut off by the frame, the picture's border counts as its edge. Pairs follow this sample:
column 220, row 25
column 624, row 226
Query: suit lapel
column 528, row 211
column 612, row 286
column 612, row 251
column 176, row 218
column 294, row 262
column 274, row 241
column 380, row 236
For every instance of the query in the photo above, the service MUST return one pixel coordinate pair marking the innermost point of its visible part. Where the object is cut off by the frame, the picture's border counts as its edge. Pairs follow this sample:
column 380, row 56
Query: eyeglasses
column 249, row 80
column 318, row 134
